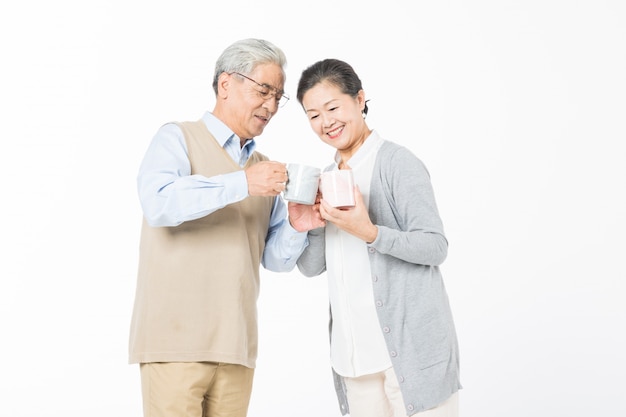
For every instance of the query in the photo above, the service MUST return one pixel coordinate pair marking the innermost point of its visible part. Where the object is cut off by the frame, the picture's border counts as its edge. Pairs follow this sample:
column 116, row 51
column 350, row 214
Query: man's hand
column 304, row 217
column 266, row 178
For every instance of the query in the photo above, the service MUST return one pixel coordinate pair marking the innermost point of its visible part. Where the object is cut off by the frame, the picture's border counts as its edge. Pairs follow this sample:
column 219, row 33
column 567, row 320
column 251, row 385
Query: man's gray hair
column 243, row 56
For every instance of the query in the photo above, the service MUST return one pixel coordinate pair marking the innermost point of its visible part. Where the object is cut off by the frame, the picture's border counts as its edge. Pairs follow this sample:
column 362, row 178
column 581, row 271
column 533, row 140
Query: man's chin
column 258, row 132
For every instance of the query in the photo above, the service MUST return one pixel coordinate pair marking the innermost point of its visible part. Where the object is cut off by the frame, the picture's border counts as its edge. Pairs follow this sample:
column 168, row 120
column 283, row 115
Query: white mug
column 302, row 184
column 337, row 188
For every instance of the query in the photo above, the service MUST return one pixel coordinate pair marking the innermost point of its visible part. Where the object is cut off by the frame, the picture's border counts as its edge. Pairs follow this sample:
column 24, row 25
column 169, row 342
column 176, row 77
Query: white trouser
column 378, row 395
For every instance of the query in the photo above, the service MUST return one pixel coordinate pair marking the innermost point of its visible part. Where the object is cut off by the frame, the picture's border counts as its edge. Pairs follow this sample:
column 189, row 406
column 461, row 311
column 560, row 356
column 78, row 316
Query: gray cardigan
column 412, row 304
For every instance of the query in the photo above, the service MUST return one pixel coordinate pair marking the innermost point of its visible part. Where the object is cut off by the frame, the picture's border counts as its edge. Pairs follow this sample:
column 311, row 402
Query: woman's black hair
column 333, row 71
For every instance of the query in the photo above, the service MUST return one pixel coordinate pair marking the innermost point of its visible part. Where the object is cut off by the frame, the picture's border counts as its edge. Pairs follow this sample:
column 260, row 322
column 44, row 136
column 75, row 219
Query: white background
column 516, row 107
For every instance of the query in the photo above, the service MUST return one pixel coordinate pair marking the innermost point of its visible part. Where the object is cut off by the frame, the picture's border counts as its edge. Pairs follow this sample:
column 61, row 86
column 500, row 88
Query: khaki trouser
column 195, row 389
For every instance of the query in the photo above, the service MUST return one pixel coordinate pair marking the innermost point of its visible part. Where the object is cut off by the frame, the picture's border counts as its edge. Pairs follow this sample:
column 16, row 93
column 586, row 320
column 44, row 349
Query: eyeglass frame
column 272, row 93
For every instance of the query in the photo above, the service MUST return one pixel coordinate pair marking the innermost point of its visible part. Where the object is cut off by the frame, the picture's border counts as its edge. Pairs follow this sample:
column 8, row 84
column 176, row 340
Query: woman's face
column 336, row 117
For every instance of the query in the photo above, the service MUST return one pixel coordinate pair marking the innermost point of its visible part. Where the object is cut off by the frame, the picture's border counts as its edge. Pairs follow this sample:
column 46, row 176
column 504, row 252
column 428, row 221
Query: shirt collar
column 371, row 143
column 223, row 133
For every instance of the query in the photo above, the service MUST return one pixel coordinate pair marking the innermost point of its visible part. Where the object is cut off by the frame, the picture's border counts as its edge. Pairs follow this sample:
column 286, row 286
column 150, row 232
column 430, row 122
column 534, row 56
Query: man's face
column 251, row 99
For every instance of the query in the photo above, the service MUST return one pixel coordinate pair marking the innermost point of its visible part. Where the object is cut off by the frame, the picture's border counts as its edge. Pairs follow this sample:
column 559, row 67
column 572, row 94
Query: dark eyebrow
column 323, row 105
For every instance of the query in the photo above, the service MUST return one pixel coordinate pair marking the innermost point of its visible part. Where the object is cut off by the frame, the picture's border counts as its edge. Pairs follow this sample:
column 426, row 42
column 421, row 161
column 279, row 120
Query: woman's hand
column 354, row 220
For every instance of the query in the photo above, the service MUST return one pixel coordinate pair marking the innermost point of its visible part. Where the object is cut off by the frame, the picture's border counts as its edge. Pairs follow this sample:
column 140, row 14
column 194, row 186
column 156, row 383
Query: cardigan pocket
column 435, row 360
column 434, row 346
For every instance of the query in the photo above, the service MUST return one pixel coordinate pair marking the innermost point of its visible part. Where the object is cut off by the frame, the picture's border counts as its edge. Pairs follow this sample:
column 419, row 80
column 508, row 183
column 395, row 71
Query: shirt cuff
column 295, row 241
column 235, row 185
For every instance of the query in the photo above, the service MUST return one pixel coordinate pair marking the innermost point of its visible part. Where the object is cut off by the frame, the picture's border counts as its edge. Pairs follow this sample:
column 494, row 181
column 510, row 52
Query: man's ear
column 223, row 84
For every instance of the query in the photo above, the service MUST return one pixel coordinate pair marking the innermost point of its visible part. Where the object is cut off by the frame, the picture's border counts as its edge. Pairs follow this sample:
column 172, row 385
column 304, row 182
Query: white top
column 357, row 343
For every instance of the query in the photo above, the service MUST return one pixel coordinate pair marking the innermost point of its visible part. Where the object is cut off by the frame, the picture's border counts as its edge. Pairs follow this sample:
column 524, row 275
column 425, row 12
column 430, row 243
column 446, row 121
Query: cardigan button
column 379, row 303
column 410, row 407
column 372, row 250
column 386, row 329
column 393, row 353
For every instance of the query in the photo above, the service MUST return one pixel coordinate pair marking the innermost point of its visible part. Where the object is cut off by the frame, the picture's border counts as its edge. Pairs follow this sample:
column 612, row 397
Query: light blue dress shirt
column 170, row 195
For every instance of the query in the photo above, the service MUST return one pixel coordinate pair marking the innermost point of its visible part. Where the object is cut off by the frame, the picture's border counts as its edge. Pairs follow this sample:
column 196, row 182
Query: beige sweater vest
column 198, row 282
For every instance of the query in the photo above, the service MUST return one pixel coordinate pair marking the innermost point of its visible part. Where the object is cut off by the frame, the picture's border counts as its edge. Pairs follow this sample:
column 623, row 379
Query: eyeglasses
column 267, row 91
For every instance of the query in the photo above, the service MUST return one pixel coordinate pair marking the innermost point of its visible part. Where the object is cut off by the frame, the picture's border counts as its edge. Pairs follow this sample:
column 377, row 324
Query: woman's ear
column 360, row 97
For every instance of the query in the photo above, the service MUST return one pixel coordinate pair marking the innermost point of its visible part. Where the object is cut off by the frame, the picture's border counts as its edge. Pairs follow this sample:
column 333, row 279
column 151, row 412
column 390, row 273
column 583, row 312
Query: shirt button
column 372, row 250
